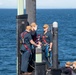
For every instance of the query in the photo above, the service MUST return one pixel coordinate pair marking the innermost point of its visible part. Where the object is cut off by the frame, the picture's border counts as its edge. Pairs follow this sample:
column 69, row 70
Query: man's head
column 28, row 28
column 68, row 64
column 74, row 64
column 45, row 27
column 33, row 26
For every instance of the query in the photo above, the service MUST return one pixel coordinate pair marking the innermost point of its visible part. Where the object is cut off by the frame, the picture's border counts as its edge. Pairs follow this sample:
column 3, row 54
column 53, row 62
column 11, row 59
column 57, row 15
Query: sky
column 41, row 4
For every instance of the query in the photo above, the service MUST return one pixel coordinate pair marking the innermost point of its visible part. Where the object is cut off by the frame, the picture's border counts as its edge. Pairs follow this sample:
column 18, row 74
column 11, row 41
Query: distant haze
column 41, row 4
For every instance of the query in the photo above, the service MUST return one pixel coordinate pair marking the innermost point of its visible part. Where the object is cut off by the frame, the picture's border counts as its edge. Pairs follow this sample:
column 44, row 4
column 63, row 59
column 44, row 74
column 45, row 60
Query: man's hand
column 39, row 43
column 49, row 49
column 39, row 46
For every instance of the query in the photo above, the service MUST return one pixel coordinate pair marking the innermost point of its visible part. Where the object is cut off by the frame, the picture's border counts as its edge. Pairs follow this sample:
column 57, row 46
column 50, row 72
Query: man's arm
column 32, row 42
column 50, row 46
column 50, row 37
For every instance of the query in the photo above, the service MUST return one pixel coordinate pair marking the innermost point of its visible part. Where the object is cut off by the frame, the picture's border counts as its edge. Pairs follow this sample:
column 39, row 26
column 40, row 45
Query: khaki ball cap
column 45, row 26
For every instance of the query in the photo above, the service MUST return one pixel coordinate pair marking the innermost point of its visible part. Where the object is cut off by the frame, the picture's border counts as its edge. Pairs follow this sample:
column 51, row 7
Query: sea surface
column 66, row 19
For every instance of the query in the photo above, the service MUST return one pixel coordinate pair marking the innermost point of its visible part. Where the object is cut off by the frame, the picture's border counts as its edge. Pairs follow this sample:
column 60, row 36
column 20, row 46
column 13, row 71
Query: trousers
column 25, row 61
column 45, row 56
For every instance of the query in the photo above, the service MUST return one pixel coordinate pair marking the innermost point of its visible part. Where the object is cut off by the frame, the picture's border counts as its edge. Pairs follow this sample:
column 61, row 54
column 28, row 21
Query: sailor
column 26, row 48
column 33, row 31
column 46, row 45
column 67, row 69
column 34, row 37
column 74, row 68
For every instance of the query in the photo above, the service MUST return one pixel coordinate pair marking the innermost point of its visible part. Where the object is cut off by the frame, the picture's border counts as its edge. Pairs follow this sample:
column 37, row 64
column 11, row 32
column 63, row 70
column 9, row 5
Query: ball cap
column 68, row 63
column 28, row 27
column 33, row 24
column 74, row 62
column 45, row 26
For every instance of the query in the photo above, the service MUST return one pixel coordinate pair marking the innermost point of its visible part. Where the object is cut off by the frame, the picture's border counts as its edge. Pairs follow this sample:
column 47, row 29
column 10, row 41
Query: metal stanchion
column 55, row 46
column 21, row 24
column 55, row 70
column 40, row 68
column 31, row 10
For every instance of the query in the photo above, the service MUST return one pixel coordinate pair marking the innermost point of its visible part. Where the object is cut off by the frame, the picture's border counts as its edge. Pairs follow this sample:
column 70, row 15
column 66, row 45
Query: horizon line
column 41, row 8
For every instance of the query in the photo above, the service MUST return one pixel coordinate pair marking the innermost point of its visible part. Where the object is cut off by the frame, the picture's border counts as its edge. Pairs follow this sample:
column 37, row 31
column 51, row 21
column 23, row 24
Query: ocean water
column 66, row 19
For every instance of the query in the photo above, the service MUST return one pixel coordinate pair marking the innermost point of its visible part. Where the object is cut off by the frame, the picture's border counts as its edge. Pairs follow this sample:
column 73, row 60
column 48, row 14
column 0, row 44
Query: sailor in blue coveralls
column 26, row 48
column 46, row 40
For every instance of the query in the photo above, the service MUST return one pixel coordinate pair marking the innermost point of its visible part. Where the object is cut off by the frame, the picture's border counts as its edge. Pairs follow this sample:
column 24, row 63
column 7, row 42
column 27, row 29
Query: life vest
column 22, row 36
column 44, row 39
column 47, row 53
column 38, row 39
column 22, row 39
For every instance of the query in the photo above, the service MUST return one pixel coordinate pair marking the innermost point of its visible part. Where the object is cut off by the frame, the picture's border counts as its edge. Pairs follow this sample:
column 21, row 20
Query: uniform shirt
column 27, row 38
column 33, row 35
column 66, row 70
column 47, row 37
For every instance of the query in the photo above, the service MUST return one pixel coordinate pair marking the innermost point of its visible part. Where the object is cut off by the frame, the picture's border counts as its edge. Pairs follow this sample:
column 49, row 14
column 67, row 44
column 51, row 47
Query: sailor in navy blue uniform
column 33, row 31
column 46, row 40
column 26, row 48
column 34, row 37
